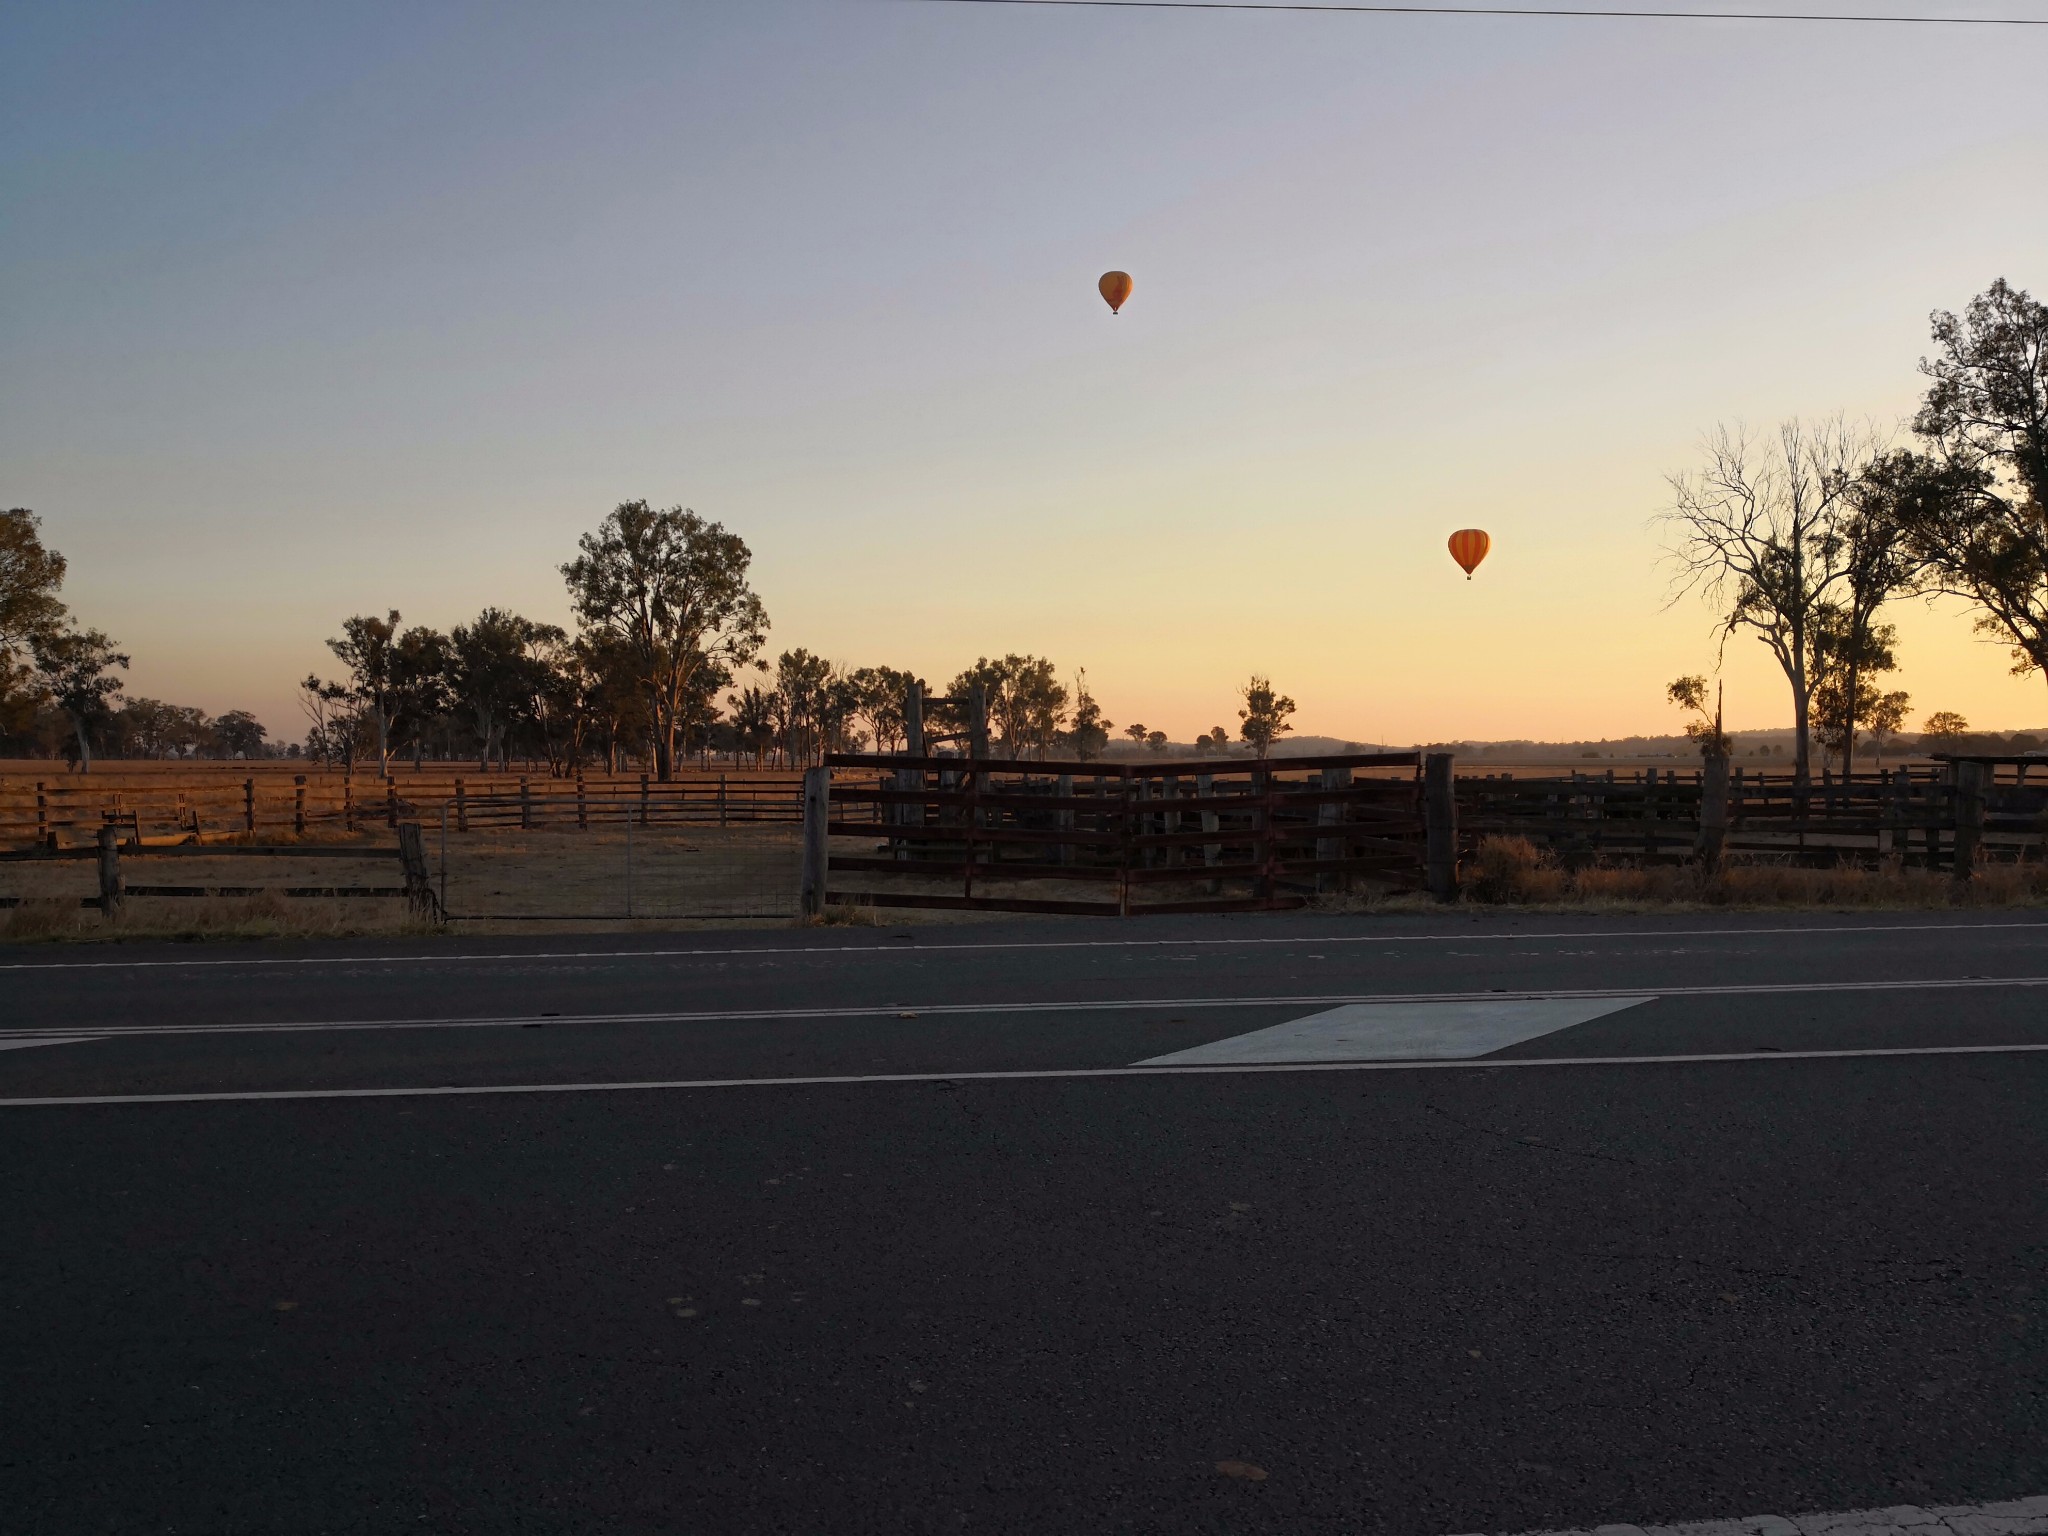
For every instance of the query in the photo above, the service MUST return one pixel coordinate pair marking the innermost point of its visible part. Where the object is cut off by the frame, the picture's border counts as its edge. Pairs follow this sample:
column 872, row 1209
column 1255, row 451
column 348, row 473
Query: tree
column 1762, row 534
column 1155, row 741
column 672, row 589
column 1979, row 512
column 1844, row 692
column 753, row 721
column 333, row 724
column 1690, row 693
column 74, row 664
column 367, row 649
column 883, row 693
column 240, row 734
column 1137, row 733
column 1943, row 727
column 421, row 661
column 1884, row 720
column 29, row 578
column 487, row 675
column 800, row 702
column 1264, row 715
column 1088, row 736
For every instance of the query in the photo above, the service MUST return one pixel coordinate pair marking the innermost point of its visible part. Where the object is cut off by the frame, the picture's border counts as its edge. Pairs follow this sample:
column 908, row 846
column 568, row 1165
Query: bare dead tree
column 1762, row 532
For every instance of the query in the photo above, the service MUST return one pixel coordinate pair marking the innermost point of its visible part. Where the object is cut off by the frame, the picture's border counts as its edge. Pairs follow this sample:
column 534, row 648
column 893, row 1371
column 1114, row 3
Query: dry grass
column 267, row 916
column 1512, row 871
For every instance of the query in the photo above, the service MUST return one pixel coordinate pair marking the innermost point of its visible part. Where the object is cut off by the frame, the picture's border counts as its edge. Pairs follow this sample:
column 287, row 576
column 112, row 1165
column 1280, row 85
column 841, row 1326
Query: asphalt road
column 368, row 1238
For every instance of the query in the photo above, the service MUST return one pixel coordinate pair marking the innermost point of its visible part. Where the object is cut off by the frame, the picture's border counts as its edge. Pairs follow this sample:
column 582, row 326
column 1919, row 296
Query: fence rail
column 998, row 835
column 55, row 812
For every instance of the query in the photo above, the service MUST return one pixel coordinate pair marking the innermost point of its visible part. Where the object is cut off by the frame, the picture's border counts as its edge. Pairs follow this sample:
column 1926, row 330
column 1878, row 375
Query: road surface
column 1423, row 1225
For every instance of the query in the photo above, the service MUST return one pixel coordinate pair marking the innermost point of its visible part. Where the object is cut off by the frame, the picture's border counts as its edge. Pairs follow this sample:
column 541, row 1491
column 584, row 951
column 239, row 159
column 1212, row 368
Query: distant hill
column 1763, row 746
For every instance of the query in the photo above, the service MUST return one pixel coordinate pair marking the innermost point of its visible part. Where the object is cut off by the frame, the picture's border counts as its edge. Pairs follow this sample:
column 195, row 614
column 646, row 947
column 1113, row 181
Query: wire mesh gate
column 659, row 852
column 1120, row 838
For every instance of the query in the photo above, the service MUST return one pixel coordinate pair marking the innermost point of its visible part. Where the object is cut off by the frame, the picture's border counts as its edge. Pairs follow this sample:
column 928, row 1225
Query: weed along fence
column 1112, row 839
column 214, row 801
column 1953, row 816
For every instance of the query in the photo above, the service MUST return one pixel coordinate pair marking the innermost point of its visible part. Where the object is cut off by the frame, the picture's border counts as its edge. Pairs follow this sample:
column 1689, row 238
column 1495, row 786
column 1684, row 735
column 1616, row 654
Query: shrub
column 1512, row 871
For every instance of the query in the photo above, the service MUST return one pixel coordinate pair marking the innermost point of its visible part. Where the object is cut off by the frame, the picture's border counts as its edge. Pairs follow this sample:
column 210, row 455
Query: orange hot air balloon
column 1469, row 547
column 1116, row 289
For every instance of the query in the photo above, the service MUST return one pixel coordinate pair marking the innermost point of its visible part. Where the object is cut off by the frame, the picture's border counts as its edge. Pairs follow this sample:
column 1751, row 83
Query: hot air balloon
column 1469, row 547
column 1116, row 289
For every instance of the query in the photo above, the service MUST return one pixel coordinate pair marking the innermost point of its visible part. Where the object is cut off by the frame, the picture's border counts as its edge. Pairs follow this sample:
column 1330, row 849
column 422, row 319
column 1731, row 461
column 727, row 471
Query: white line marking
column 9, row 1043
column 1079, row 1005
column 2014, row 1517
column 1484, row 1064
column 926, row 950
column 1400, row 1031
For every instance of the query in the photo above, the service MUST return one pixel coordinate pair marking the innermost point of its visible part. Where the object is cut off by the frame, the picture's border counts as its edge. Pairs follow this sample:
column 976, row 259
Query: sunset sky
column 309, row 310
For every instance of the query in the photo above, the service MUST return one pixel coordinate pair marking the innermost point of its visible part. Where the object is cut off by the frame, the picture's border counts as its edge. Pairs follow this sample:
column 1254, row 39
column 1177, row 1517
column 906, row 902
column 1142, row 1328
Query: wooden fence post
column 643, row 799
column 110, row 872
column 390, row 800
column 1713, row 811
column 1063, row 787
column 525, row 804
column 582, row 806
column 1212, row 822
column 42, row 812
column 977, row 723
column 1969, row 802
column 1901, row 817
column 419, row 883
column 348, row 799
column 248, row 805
column 721, row 799
column 461, row 804
column 1440, row 823
column 817, row 812
column 299, row 804
column 1330, row 814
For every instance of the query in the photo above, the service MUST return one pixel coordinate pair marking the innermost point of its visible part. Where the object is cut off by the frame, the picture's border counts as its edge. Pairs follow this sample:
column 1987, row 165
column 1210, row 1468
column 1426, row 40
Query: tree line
column 59, row 692
column 667, row 662
column 1804, row 537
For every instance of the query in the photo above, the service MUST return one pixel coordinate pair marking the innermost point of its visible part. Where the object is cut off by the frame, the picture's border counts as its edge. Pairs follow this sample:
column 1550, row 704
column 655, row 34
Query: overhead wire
column 1529, row 11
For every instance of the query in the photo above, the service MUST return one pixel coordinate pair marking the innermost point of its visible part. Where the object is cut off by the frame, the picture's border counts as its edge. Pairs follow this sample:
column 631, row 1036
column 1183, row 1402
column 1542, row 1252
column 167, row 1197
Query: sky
column 309, row 310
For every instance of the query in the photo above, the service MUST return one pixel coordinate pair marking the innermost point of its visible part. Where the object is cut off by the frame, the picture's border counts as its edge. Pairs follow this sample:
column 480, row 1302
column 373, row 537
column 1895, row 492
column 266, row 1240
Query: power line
column 1502, row 10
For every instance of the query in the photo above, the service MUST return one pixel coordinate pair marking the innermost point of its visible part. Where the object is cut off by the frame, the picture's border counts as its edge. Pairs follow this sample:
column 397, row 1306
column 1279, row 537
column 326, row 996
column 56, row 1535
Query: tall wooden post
column 248, row 805
column 1969, row 802
column 390, row 801
column 1330, row 814
column 299, row 804
column 42, row 812
column 582, row 806
column 1713, row 810
column 419, row 884
column 110, row 872
column 977, row 723
column 1212, row 823
column 1440, row 824
column 817, row 846
column 348, row 799
column 1063, row 818
column 910, row 779
column 644, row 794
column 1901, row 817
column 461, row 804
column 525, row 804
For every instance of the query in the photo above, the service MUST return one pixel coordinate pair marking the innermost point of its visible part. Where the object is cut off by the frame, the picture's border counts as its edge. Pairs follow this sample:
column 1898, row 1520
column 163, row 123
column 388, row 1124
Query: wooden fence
column 1919, row 816
column 113, row 859
column 1121, row 838
column 59, row 812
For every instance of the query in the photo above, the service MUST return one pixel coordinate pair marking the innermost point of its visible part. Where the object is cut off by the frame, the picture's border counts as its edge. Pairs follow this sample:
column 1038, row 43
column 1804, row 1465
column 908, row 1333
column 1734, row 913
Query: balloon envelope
column 1116, row 288
column 1469, row 547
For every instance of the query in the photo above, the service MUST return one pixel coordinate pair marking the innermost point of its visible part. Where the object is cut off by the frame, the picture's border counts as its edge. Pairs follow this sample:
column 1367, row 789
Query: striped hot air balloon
column 1116, row 289
column 1469, row 547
